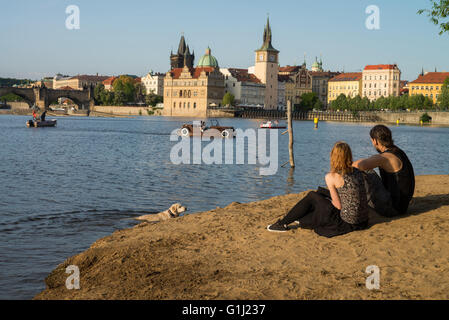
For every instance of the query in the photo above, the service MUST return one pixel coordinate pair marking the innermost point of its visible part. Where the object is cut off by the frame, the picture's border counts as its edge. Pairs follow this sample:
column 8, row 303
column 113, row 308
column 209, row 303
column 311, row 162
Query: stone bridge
column 43, row 97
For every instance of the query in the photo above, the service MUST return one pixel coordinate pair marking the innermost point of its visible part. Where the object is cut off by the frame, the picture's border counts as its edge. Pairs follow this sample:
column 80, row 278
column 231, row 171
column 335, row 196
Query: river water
column 63, row 188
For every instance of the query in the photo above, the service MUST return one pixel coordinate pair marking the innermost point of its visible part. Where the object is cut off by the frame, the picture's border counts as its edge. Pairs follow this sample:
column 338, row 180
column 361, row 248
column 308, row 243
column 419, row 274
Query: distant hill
column 9, row 82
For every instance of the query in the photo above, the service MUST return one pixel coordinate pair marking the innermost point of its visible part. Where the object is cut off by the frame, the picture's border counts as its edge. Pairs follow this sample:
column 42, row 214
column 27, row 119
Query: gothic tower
column 183, row 57
column 267, row 68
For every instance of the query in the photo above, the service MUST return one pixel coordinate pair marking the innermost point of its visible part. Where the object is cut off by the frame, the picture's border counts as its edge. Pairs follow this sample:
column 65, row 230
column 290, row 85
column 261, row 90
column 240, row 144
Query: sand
column 228, row 254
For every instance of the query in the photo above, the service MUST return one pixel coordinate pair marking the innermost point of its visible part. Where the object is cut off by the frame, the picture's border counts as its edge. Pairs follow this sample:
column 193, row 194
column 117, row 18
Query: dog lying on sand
column 173, row 212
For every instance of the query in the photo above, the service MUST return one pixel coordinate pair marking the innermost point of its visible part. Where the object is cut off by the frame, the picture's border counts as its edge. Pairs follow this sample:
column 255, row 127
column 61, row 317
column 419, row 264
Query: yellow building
column 190, row 92
column 349, row 84
column 429, row 85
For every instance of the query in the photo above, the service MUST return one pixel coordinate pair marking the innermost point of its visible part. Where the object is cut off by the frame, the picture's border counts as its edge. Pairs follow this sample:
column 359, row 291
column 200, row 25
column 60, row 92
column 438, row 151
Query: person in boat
column 341, row 209
column 34, row 115
column 43, row 115
column 396, row 171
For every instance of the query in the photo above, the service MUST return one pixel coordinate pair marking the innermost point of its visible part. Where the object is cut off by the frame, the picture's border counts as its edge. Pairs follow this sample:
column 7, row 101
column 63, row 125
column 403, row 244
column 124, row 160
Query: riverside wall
column 438, row 118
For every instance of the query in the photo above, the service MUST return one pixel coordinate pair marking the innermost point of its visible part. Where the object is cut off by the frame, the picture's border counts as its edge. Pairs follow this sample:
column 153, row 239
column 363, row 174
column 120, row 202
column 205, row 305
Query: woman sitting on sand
column 344, row 210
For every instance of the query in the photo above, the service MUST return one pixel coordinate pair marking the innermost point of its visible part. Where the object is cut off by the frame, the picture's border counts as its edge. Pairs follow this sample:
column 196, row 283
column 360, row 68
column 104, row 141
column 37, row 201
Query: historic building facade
column 382, row 80
column 77, row 82
column 154, row 83
column 266, row 69
column 247, row 89
column 349, row 84
column 429, row 84
column 299, row 82
column 189, row 92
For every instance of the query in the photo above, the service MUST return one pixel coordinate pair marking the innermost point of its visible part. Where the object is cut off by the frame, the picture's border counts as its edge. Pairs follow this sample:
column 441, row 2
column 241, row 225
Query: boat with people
column 202, row 129
column 39, row 123
column 272, row 125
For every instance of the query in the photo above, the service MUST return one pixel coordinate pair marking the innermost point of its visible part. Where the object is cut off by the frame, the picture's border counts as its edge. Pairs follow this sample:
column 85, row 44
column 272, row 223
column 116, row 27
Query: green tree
column 119, row 98
column 153, row 99
column 443, row 98
column 341, row 103
column 308, row 101
column 438, row 14
column 228, row 99
column 318, row 105
column 125, row 86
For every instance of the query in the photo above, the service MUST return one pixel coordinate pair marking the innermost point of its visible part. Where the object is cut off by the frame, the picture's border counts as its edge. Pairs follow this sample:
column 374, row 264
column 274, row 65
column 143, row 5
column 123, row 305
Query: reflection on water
column 63, row 188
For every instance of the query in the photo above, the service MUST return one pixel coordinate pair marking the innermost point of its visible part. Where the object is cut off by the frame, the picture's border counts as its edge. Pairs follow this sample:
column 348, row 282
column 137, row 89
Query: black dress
column 329, row 222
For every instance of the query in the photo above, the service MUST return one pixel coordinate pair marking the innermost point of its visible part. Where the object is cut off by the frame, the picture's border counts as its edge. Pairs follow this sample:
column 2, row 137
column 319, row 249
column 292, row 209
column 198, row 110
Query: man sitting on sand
column 395, row 170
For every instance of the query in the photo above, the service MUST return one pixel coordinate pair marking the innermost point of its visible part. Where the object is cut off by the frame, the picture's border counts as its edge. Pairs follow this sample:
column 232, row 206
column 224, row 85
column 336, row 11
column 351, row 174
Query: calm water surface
column 63, row 188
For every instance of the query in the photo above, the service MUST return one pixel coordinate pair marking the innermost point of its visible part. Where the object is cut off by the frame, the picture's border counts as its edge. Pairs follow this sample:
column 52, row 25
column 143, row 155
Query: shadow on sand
column 417, row 206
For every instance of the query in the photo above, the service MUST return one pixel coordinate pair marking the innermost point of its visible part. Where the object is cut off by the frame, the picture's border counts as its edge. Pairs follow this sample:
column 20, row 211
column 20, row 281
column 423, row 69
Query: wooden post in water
column 290, row 133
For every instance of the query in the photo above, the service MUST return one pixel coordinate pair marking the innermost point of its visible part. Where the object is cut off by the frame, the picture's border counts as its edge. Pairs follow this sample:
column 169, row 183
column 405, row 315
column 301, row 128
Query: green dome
column 208, row 60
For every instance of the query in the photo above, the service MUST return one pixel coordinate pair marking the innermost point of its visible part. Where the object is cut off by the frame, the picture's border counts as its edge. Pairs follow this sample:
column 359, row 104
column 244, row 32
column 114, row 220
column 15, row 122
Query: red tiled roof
column 195, row 72
column 66, row 88
column 109, row 81
column 381, row 67
column 432, row 77
column 350, row 76
column 289, row 69
column 242, row 75
column 85, row 77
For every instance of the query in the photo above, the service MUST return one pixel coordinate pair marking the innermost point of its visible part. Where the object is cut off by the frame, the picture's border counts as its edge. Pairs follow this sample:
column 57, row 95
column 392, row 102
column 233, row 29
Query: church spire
column 267, row 37
column 182, row 46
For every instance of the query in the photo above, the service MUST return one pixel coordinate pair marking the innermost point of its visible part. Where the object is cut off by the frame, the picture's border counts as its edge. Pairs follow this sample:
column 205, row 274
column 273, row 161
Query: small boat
column 38, row 123
column 211, row 130
column 271, row 125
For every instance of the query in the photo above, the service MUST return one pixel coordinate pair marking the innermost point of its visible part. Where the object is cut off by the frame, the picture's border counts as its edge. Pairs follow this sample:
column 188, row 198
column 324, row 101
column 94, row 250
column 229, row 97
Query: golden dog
column 174, row 212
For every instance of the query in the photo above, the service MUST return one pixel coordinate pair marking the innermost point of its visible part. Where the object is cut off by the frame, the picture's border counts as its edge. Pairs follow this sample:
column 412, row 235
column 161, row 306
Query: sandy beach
column 227, row 253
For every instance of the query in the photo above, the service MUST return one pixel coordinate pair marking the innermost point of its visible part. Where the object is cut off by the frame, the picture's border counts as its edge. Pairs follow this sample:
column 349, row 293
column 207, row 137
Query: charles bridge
column 42, row 97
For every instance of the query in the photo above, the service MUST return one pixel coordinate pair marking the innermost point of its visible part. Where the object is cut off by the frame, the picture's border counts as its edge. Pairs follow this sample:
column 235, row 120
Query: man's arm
column 375, row 161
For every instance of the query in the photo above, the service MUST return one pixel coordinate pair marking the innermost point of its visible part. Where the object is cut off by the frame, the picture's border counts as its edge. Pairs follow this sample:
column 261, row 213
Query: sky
column 136, row 36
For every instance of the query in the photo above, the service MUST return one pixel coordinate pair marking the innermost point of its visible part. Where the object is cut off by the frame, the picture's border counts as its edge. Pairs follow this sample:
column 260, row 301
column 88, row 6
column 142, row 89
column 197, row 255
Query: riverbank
column 227, row 253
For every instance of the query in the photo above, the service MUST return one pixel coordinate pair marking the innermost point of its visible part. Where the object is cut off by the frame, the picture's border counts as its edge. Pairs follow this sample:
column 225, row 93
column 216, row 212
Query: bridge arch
column 27, row 96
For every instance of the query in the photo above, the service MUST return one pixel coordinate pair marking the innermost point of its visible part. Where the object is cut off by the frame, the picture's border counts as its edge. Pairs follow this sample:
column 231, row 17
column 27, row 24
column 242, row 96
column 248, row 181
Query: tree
column 228, row 99
column 153, row 99
column 340, row 103
column 125, row 85
column 443, row 98
column 308, row 101
column 119, row 98
column 318, row 105
column 438, row 14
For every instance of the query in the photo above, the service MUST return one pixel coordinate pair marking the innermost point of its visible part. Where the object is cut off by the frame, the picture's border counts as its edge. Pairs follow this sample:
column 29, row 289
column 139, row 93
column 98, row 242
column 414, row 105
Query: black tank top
column 401, row 184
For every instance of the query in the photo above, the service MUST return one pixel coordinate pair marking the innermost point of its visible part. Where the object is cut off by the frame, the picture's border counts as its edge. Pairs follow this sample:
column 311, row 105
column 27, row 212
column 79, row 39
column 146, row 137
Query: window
column 180, row 93
column 174, row 105
column 188, row 105
column 194, row 105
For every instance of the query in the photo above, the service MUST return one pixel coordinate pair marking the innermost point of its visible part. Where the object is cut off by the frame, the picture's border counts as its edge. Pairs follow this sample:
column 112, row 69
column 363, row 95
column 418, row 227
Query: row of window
column 375, row 93
column 426, row 87
column 395, row 77
column 183, row 93
column 184, row 104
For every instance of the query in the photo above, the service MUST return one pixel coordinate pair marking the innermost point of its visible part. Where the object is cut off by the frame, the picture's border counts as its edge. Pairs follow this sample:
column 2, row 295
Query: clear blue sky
column 132, row 37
